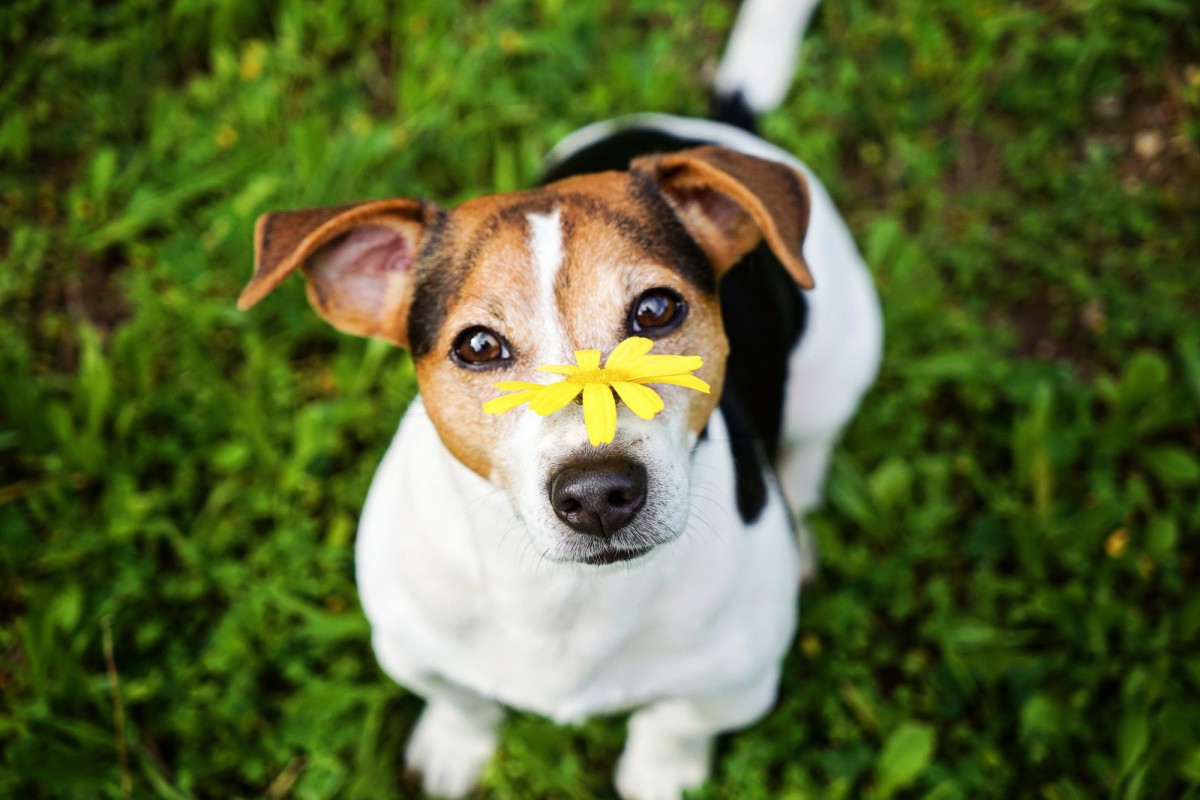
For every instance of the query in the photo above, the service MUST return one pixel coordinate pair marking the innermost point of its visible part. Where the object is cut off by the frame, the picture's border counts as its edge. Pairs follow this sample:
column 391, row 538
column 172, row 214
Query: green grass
column 1007, row 601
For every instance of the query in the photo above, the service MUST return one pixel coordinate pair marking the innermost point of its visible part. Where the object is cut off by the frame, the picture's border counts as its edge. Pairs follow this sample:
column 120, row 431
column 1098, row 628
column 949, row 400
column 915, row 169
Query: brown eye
column 657, row 312
column 479, row 347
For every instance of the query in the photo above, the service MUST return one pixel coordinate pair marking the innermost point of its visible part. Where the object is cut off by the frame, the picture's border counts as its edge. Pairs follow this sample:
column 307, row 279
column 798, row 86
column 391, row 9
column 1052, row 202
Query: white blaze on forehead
column 546, row 247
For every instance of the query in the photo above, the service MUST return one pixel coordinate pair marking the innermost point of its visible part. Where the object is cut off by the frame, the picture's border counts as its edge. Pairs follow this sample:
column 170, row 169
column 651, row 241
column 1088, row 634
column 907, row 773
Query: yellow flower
column 1116, row 543
column 628, row 367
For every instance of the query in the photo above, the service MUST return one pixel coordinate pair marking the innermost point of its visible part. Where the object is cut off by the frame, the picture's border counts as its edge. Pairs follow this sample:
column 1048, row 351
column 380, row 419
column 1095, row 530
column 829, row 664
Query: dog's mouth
column 611, row 555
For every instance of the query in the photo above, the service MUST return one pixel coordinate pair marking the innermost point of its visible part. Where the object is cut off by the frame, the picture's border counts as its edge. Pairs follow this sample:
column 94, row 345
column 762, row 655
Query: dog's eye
column 657, row 312
column 480, row 347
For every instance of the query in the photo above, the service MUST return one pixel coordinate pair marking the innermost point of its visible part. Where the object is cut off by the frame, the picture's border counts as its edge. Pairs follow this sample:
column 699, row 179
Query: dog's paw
column 450, row 750
column 662, row 770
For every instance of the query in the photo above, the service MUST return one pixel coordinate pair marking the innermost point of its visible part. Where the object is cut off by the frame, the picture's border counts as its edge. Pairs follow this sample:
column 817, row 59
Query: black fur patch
column 749, row 468
column 732, row 109
column 765, row 315
column 439, row 276
column 616, row 151
column 680, row 252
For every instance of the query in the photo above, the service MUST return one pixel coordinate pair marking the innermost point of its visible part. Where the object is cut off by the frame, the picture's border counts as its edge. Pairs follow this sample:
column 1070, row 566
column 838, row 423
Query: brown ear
column 730, row 201
column 357, row 260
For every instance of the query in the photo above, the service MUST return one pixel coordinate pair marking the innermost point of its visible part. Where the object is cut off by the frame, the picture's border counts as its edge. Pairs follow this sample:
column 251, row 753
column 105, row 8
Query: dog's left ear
column 730, row 201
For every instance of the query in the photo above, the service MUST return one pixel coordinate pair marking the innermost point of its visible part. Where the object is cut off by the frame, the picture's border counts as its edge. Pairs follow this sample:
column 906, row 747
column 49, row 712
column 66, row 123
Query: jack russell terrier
column 504, row 560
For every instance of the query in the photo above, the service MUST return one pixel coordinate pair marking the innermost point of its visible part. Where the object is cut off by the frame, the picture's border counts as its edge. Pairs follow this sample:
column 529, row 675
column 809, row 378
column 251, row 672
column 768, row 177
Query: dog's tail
column 759, row 60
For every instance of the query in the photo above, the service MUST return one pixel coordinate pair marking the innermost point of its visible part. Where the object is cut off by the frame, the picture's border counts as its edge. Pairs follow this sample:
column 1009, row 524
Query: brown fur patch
column 609, row 258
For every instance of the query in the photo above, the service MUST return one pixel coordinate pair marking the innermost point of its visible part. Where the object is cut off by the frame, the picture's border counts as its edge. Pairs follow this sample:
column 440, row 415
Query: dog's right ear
column 358, row 261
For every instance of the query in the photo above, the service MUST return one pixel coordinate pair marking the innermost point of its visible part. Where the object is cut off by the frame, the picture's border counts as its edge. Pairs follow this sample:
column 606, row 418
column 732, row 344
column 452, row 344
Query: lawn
column 1006, row 605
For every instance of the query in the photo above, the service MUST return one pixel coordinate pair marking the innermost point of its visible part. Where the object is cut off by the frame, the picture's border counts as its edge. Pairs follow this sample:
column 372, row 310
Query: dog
column 504, row 561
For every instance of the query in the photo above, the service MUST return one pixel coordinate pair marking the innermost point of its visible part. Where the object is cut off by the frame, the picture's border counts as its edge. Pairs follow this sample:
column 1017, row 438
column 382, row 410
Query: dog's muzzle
column 599, row 497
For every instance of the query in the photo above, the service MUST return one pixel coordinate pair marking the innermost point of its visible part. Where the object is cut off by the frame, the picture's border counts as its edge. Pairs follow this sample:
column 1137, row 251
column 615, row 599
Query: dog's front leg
column 453, row 741
column 669, row 744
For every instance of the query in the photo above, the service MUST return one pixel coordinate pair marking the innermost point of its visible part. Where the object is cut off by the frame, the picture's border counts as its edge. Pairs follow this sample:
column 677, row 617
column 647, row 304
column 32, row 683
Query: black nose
column 599, row 497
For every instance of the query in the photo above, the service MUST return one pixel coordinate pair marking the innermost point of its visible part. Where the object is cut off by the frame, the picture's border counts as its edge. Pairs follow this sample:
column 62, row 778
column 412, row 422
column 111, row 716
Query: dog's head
column 505, row 283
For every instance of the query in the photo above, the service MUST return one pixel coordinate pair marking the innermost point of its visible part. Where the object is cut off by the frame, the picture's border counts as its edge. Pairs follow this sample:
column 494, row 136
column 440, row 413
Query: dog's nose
column 599, row 497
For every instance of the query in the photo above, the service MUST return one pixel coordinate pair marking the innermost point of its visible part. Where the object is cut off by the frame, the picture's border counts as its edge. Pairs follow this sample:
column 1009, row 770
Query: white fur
column 473, row 606
column 459, row 595
column 546, row 251
column 526, row 462
column 451, row 747
column 762, row 51
column 546, row 247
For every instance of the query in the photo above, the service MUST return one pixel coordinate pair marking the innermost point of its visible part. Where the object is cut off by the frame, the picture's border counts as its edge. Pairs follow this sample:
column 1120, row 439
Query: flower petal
column 690, row 381
column 648, row 367
column 599, row 413
column 507, row 402
column 588, row 359
column 553, row 397
column 642, row 400
column 626, row 351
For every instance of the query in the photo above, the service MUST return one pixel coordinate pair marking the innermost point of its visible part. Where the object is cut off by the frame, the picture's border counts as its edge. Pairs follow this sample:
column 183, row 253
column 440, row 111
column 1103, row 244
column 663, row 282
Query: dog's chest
column 567, row 651
column 490, row 615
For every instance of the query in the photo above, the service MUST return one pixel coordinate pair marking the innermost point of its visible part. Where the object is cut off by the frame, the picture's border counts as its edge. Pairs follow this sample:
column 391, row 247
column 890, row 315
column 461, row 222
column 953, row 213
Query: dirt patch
column 1049, row 327
column 87, row 292
column 93, row 294
column 1146, row 126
